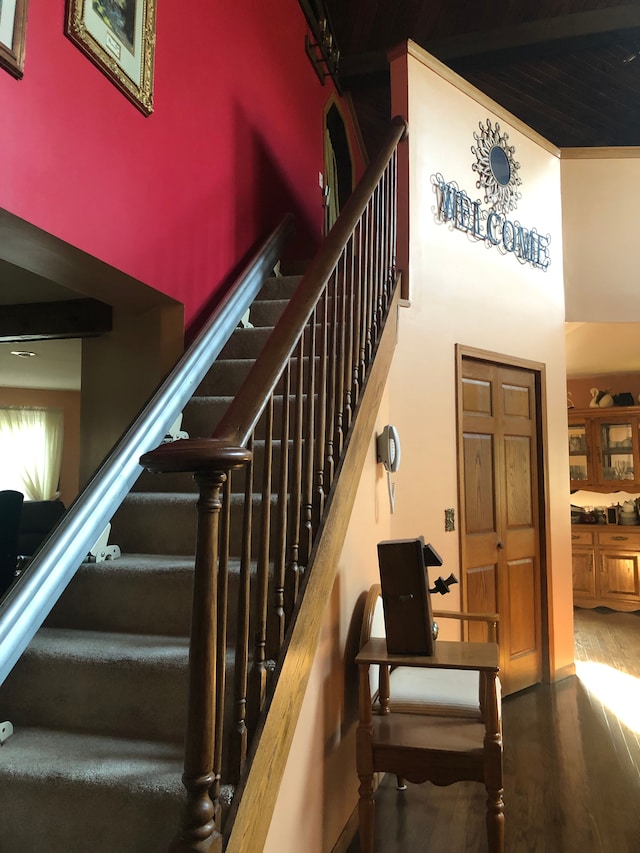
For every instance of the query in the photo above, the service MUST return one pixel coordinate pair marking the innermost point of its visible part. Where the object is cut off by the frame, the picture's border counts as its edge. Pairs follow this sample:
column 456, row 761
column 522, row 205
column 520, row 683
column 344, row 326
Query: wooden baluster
column 239, row 739
column 388, row 179
column 368, row 285
column 349, row 334
column 309, row 443
column 379, row 272
column 280, row 548
column 320, row 488
column 393, row 168
column 332, row 337
column 373, row 273
column 361, row 354
column 394, row 236
column 221, row 640
column 198, row 831
column 356, row 317
column 292, row 580
column 340, row 426
column 384, row 244
column 260, row 669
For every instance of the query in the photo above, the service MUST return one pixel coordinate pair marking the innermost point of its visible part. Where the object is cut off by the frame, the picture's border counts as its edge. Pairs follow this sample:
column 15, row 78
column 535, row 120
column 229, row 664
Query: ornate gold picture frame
column 13, row 26
column 119, row 37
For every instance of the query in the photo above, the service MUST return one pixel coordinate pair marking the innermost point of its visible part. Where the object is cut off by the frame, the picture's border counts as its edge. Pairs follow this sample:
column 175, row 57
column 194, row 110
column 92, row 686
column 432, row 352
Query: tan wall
column 460, row 293
column 69, row 402
column 602, row 263
column 463, row 293
column 120, row 371
column 319, row 789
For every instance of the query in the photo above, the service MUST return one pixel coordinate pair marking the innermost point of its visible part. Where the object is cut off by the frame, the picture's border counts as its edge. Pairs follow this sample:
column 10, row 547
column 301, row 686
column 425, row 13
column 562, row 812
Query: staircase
column 98, row 699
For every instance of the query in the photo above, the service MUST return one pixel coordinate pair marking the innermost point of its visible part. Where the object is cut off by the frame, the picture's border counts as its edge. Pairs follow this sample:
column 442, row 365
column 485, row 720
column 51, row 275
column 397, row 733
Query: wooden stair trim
column 249, row 824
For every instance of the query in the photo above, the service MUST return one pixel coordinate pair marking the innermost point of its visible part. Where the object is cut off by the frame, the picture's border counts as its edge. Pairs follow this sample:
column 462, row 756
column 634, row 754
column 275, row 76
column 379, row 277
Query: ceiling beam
column 38, row 321
column 531, row 39
column 535, row 34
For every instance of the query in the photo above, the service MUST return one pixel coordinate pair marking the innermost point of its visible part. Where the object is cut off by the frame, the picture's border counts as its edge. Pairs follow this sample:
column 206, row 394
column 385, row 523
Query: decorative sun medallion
column 496, row 167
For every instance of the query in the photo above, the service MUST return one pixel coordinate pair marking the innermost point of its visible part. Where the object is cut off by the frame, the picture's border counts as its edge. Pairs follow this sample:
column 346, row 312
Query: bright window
column 31, row 451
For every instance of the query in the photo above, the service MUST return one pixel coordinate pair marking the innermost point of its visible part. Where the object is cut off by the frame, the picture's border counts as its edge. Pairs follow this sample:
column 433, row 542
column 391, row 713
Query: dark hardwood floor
column 571, row 762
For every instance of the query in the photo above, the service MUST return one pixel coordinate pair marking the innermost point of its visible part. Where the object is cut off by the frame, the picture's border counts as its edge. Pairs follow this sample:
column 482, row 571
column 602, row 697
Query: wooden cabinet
column 606, row 566
column 604, row 449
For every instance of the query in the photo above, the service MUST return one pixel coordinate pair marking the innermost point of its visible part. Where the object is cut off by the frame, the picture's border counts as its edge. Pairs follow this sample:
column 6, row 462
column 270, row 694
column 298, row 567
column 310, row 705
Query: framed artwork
column 119, row 37
column 13, row 25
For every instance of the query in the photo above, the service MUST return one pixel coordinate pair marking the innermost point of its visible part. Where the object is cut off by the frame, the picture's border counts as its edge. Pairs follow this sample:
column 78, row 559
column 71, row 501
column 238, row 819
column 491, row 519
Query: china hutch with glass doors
column 604, row 456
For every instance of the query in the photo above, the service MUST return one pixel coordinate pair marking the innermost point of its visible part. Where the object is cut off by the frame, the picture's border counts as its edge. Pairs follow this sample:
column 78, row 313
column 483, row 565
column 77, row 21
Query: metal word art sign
column 498, row 176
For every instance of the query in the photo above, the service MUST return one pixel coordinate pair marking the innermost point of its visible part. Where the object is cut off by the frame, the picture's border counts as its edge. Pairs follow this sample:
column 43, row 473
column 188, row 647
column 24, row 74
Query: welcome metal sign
column 498, row 175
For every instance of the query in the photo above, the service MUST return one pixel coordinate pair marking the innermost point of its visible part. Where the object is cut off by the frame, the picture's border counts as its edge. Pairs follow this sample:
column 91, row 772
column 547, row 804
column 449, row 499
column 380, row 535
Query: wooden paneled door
column 500, row 510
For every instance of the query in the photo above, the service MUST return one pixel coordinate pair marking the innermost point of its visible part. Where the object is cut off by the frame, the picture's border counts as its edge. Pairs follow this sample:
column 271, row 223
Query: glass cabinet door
column 579, row 469
column 616, row 451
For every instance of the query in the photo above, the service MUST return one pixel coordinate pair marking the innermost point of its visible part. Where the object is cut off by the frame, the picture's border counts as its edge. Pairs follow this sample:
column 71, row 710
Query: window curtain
column 31, row 451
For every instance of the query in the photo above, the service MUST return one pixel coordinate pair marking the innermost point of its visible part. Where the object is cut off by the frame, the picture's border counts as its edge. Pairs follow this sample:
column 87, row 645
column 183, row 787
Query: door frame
column 333, row 103
column 539, row 371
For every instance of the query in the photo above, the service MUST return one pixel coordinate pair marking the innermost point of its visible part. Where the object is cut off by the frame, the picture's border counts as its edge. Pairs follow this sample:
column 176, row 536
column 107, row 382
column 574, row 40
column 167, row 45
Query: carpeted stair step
column 266, row 312
column 134, row 594
column 71, row 793
column 98, row 700
column 246, row 343
column 202, row 415
column 279, row 287
column 165, row 523
column 227, row 375
column 225, row 378
column 155, row 523
column 113, row 685
column 119, row 685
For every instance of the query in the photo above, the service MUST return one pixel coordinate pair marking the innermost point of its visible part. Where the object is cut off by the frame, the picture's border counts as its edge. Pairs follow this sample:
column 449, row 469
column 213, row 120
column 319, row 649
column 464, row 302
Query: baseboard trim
column 349, row 832
column 564, row 672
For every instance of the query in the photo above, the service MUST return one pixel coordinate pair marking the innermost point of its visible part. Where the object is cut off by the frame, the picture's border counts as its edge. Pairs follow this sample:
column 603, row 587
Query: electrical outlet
column 449, row 520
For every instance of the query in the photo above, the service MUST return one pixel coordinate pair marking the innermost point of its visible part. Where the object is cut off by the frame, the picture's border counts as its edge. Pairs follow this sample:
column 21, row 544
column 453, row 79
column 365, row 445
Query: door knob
column 500, row 545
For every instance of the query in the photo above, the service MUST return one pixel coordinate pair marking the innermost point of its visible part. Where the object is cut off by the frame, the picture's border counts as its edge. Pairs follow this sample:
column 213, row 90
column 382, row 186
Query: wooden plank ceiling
column 570, row 69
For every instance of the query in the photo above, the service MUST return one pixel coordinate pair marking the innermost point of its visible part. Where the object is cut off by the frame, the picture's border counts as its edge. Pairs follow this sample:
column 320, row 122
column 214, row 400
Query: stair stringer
column 248, row 821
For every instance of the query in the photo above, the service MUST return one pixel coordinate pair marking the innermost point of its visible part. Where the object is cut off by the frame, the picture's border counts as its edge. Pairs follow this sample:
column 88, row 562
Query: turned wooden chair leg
column 495, row 820
column 366, row 814
column 401, row 785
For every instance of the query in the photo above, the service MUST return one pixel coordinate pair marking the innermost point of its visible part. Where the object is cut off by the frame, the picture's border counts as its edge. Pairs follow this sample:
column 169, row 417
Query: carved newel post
column 209, row 460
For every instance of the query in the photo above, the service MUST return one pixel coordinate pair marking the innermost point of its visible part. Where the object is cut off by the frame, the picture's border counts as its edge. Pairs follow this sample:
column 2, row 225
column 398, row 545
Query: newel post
column 210, row 460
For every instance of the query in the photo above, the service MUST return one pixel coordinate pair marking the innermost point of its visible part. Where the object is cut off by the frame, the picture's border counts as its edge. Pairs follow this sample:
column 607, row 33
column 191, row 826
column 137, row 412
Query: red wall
column 175, row 199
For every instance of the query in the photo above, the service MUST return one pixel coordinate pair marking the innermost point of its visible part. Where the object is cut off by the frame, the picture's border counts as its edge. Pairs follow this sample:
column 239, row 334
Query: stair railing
column 30, row 600
column 287, row 428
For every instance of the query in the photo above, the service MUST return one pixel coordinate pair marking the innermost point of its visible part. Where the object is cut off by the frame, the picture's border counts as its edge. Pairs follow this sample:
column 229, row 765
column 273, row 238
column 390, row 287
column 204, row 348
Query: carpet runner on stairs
column 98, row 699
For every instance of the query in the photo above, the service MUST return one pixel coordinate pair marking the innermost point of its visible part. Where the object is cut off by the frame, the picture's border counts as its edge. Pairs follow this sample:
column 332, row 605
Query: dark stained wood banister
column 245, row 409
column 351, row 281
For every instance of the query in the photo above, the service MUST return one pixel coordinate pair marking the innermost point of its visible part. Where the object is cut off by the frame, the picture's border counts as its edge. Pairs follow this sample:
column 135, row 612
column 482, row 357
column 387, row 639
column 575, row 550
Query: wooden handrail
column 244, row 411
column 314, row 370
